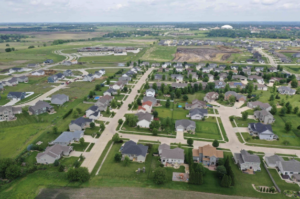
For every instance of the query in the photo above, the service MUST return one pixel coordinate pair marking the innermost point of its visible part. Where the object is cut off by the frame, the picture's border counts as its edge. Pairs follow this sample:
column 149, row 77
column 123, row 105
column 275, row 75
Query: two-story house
column 207, row 155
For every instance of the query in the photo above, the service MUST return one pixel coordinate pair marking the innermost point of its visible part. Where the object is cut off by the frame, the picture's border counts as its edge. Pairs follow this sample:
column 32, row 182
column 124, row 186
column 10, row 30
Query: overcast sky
column 148, row 10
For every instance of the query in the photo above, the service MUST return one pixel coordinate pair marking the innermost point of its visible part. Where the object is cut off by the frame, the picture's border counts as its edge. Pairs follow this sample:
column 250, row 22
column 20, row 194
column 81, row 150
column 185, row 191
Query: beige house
column 207, row 155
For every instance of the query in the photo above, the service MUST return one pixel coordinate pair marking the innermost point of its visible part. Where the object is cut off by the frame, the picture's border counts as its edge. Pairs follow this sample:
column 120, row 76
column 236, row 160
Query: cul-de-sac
column 150, row 110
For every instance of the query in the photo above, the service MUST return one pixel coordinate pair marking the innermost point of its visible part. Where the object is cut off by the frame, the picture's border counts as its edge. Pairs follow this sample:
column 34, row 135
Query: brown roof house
column 211, row 96
column 237, row 96
column 195, row 104
column 207, row 155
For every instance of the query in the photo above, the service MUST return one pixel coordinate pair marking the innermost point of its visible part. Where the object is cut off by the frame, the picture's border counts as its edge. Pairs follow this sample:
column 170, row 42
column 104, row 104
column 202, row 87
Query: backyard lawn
column 206, row 129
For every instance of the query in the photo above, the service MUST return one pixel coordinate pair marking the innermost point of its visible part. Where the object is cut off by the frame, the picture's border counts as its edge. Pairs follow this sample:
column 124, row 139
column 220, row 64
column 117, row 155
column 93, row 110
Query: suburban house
column 59, row 99
column 275, row 79
column 80, row 123
column 22, row 79
column 220, row 84
column 15, row 70
column 170, row 156
column 124, row 79
column 150, row 92
column 97, row 75
column 179, row 68
column 239, row 77
column 197, row 114
column 151, row 99
column 144, row 119
column 135, row 152
column 178, row 85
column 193, row 75
column 38, row 73
column 284, row 90
column 247, row 71
column 185, row 125
column 247, row 161
column 210, row 77
column 264, row 116
column 259, row 69
column 157, row 77
column 93, row 112
column 88, row 78
column 273, row 69
column 103, row 102
column 68, row 73
column 177, row 77
column 16, row 95
column 60, row 76
column 263, row 131
column 195, row 104
column 259, row 79
column 66, row 138
column 237, row 96
column 52, row 79
column 236, row 84
column 261, row 87
column 110, row 92
column 223, row 76
column 41, row 107
column 146, row 107
column 262, row 106
column 207, row 155
column 12, row 82
column 287, row 168
column 7, row 113
column 48, row 61
column 53, row 153
column 119, row 85
column 211, row 96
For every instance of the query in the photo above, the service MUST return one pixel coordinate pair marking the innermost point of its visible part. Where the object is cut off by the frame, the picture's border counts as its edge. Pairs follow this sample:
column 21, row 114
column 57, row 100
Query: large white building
column 226, row 27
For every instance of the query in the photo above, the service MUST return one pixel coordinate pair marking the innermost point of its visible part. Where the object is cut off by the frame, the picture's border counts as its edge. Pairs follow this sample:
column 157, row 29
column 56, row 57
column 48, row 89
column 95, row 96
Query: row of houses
column 13, row 81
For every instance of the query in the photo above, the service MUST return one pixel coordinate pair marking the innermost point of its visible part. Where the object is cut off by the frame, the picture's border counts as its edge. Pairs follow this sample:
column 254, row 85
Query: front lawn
column 242, row 123
column 92, row 131
column 79, row 147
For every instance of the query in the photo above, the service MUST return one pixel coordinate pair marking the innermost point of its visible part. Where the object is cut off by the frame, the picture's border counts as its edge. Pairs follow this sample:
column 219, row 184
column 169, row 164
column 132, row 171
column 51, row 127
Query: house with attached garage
column 38, row 73
column 264, row 116
column 275, row 79
column 262, row 106
column 153, row 100
column 179, row 85
column 93, row 112
column 239, row 77
column 261, row 87
column 207, row 155
column 16, row 95
column 177, row 77
column 15, row 70
column 263, row 131
column 144, row 119
column 236, row 84
column 193, row 75
column 195, row 104
column 119, row 85
column 40, row 107
column 124, row 79
column 52, row 79
column 88, row 78
column 170, row 157
column 259, row 69
column 219, row 84
column 32, row 65
column 53, row 153
column 234, row 67
column 210, row 77
column 97, row 75
column 135, row 152
column 179, row 68
column 284, row 90
column 48, row 61
column 158, row 77
column 247, row 161
column 22, row 79
column 247, row 71
column 7, row 113
column 185, row 125
column 211, row 96
column 12, row 82
column 66, row 138
column 103, row 102
column 102, row 71
column 223, row 76
column 68, row 73
column 206, row 70
column 110, row 92
column 289, row 169
column 146, row 107
column 165, row 65
column 60, row 76
column 80, row 123
column 238, row 97
column 197, row 114
column 273, row 69
column 150, row 92
column 59, row 99
column 259, row 79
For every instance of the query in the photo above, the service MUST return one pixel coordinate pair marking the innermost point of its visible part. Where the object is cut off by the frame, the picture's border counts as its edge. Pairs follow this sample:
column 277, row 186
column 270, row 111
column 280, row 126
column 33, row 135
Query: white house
column 150, row 92
column 38, row 73
column 171, row 156
column 144, row 119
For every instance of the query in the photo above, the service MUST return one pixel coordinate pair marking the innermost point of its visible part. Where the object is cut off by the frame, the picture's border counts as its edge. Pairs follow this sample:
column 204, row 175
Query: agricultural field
column 292, row 68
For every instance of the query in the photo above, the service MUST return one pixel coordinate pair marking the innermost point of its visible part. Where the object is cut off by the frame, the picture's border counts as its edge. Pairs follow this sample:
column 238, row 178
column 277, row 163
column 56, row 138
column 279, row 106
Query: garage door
column 179, row 129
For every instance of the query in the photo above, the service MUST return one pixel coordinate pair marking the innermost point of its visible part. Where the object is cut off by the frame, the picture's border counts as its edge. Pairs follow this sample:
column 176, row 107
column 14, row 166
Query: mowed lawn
column 242, row 123
column 206, row 129
column 279, row 129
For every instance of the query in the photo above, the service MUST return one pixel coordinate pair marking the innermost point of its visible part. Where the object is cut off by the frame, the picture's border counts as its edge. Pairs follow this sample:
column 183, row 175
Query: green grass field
column 242, row 123
column 292, row 68
column 160, row 53
column 80, row 147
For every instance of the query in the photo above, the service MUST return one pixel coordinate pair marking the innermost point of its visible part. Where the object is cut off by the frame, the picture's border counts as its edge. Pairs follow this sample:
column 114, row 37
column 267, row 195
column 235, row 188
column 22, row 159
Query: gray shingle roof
column 274, row 158
column 81, row 120
column 176, row 153
column 144, row 116
column 131, row 147
column 260, row 128
column 291, row 165
column 247, row 157
column 199, row 111
column 40, row 105
column 185, row 123
column 67, row 137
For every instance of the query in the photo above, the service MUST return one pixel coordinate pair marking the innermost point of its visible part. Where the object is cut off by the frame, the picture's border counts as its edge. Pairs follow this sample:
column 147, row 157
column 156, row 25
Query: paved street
column 110, row 129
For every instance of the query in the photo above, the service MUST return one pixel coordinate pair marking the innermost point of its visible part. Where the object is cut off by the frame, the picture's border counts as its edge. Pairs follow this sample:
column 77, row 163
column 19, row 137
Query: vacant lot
column 160, row 53
column 203, row 54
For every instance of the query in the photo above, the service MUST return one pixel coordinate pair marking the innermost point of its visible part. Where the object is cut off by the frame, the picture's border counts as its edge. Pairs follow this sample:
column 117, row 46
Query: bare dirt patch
column 204, row 54
column 127, row 193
